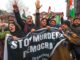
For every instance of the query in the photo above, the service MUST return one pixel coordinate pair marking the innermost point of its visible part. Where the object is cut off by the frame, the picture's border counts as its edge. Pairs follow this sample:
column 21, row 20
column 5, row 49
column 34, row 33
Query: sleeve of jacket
column 19, row 20
column 37, row 19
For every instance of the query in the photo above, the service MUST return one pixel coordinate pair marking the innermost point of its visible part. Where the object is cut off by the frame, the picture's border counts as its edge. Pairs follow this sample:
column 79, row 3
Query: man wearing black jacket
column 26, row 26
column 44, row 22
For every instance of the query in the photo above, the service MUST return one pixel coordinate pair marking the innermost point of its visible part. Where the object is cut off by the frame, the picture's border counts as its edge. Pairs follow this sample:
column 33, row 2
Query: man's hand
column 33, row 30
column 37, row 4
column 48, row 27
column 15, row 7
column 15, row 38
column 60, row 29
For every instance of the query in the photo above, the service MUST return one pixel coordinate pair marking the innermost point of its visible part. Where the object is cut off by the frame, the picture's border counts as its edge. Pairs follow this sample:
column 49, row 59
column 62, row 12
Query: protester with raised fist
column 25, row 26
column 43, row 22
column 37, row 17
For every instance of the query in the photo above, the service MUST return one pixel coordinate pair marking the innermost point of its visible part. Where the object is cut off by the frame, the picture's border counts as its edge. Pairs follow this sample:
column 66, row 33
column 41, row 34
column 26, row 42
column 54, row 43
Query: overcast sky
column 56, row 5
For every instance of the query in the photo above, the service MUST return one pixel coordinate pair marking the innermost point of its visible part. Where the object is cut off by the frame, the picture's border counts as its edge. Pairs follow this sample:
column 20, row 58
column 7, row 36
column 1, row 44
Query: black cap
column 67, row 23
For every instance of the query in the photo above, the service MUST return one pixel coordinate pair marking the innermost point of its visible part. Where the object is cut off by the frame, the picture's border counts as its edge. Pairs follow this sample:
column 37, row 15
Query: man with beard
column 76, row 29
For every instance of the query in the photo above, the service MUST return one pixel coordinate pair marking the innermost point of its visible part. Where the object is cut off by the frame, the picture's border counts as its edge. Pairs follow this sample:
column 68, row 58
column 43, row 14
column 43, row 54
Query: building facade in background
column 77, row 6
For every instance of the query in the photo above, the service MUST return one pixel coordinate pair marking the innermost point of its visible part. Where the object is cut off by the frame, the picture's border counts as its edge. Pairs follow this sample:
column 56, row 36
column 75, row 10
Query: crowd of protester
column 19, row 28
